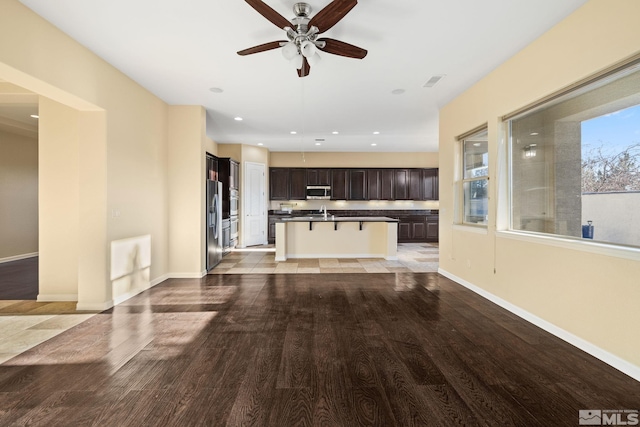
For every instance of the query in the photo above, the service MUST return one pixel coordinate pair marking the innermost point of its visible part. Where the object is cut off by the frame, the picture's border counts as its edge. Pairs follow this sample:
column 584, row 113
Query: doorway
column 18, row 193
column 254, row 210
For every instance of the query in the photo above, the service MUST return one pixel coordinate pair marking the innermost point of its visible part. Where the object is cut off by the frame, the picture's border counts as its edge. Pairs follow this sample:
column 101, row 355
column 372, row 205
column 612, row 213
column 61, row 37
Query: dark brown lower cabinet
column 432, row 228
column 412, row 229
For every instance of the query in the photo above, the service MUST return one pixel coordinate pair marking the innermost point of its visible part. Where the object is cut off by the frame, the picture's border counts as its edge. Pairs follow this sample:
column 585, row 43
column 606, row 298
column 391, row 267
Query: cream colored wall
column 233, row 151
column 187, row 147
column 18, row 195
column 591, row 296
column 120, row 186
column 351, row 160
column 59, row 204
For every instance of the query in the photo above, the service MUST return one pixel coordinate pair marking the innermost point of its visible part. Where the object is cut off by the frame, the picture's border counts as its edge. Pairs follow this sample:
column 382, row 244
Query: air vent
column 433, row 81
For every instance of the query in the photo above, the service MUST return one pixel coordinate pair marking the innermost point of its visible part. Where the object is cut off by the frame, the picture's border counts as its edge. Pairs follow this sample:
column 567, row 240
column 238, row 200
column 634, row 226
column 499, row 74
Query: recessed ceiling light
column 35, row 116
column 397, row 91
column 335, row 132
column 238, row 119
column 374, row 144
column 318, row 143
column 293, row 132
column 534, row 134
column 376, row 133
column 260, row 143
column 216, row 90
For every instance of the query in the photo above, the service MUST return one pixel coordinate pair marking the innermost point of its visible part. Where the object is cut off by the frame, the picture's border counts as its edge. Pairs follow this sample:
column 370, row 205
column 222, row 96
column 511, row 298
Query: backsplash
column 355, row 205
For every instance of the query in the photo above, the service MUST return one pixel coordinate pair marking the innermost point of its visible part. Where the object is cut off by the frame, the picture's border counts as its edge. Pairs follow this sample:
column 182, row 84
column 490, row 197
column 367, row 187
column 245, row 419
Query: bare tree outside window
column 607, row 170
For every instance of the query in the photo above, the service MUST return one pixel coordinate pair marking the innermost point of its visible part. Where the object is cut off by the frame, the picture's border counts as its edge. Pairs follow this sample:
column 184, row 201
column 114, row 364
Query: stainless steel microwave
column 318, row 192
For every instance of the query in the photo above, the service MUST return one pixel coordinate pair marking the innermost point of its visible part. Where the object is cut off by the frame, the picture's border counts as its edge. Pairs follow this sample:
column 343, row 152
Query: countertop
column 331, row 218
column 357, row 212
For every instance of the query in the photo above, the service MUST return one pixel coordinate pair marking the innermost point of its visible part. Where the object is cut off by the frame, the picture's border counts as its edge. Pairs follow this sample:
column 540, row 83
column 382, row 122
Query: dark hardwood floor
column 19, row 279
column 295, row 350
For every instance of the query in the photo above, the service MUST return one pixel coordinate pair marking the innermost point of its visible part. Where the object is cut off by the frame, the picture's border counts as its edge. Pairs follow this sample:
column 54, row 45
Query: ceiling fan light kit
column 303, row 45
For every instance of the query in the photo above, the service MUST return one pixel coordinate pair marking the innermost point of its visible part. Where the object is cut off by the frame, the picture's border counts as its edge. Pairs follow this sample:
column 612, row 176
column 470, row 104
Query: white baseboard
column 18, row 257
column 186, row 275
column 94, row 306
column 57, row 297
column 159, row 280
column 610, row 359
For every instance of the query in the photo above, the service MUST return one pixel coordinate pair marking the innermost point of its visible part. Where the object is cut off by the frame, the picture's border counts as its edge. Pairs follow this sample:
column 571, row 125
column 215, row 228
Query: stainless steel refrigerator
column 214, row 223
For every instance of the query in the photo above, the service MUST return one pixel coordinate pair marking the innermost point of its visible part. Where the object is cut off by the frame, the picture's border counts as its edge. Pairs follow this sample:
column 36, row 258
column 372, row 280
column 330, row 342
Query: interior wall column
column 94, row 286
column 72, row 204
column 186, row 132
column 58, row 201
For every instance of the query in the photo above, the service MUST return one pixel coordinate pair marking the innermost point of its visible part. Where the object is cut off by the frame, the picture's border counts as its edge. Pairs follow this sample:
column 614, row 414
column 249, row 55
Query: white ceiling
column 178, row 50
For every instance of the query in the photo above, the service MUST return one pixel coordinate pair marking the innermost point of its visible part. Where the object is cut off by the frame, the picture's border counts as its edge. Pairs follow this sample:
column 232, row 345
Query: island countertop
column 331, row 218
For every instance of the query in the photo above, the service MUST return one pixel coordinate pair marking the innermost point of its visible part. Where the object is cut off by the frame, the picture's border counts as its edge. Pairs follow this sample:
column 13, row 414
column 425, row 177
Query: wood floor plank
column 312, row 349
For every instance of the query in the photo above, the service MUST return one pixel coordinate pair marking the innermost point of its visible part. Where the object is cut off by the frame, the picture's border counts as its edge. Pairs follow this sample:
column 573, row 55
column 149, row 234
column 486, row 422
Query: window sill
column 477, row 229
column 574, row 244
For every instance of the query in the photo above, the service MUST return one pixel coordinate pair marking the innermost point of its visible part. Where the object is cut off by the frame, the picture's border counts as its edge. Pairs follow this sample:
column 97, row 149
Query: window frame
column 463, row 180
column 584, row 86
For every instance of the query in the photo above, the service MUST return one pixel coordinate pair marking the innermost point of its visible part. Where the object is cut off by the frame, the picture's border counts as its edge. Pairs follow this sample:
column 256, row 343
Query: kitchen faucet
column 324, row 208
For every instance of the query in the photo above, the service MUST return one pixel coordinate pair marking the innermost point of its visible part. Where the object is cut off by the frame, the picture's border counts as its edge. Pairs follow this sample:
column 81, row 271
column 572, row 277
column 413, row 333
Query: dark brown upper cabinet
column 298, row 184
column 279, row 183
column 318, row 176
column 357, row 184
column 339, row 184
column 401, row 184
column 430, row 184
column 415, row 184
column 387, row 184
column 373, row 184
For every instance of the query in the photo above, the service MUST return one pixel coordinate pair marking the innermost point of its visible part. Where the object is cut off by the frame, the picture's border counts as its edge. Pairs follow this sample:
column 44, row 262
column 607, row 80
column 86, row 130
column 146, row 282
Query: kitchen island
column 336, row 237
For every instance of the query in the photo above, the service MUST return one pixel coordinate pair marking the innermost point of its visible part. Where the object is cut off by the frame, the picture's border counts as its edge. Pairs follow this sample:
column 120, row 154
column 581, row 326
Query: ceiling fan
column 303, row 32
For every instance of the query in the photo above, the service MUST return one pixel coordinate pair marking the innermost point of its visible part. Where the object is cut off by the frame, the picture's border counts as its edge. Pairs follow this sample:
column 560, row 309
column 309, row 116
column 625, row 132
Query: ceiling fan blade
column 337, row 47
column 306, row 68
column 260, row 48
column 331, row 14
column 265, row 10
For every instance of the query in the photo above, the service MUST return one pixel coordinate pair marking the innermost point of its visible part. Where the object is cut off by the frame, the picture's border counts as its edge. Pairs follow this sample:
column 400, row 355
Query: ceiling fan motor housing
column 302, row 9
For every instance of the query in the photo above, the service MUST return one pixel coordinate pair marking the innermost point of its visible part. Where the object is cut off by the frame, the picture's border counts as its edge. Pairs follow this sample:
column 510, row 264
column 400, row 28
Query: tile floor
column 412, row 257
column 25, row 324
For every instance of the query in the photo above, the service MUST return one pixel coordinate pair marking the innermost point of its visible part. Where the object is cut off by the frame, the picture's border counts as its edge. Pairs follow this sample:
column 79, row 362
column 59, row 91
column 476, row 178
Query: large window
column 575, row 162
column 475, row 178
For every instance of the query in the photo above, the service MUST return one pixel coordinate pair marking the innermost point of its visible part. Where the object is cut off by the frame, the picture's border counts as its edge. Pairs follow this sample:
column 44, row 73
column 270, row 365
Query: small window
column 475, row 178
column 575, row 162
